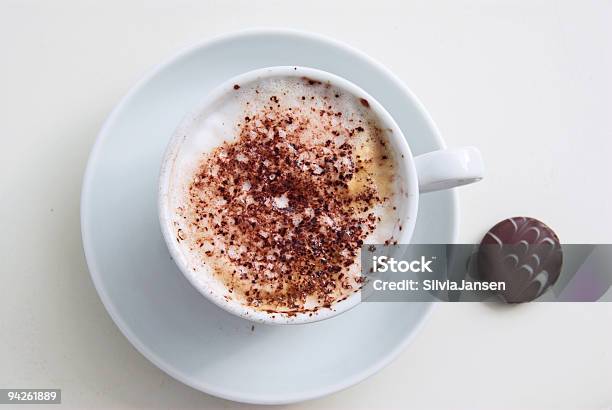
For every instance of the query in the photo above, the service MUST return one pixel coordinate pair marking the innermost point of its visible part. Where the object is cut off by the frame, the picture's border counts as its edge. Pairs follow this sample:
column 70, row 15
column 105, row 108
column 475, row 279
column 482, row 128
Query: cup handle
column 449, row 168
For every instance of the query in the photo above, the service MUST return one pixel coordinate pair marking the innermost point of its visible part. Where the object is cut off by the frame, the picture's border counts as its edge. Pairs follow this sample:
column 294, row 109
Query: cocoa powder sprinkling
column 280, row 212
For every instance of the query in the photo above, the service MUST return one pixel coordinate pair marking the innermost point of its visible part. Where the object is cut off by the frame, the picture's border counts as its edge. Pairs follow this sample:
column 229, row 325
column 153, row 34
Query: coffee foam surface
column 222, row 120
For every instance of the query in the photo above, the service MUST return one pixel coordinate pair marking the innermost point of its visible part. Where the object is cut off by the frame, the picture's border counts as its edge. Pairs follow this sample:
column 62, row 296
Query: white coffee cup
column 432, row 171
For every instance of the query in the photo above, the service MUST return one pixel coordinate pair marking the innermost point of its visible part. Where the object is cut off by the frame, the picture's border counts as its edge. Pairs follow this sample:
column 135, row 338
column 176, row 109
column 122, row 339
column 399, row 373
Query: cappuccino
column 276, row 187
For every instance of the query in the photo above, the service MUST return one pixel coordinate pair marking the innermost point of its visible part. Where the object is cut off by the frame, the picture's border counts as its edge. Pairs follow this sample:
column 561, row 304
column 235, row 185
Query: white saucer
column 157, row 309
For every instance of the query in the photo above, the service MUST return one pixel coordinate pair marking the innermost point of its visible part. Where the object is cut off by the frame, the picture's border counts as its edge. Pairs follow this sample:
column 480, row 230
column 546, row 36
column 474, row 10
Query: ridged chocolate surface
column 525, row 254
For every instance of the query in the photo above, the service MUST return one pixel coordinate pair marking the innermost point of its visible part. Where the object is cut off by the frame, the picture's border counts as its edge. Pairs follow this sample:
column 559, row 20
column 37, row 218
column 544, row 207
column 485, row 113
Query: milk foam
column 220, row 121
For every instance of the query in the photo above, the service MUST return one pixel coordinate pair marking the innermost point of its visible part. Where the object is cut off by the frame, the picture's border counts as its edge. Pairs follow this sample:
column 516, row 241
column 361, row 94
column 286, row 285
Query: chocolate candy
column 525, row 254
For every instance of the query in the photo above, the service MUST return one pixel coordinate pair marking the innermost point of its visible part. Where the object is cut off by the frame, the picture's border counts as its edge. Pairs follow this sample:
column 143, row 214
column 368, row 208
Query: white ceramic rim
column 95, row 271
column 409, row 207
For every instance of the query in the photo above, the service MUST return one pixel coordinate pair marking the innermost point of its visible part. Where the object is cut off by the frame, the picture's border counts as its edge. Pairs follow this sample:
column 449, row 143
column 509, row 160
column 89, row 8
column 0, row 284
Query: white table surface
column 529, row 82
